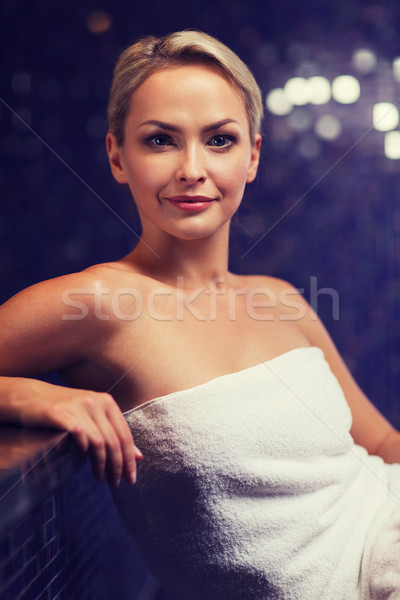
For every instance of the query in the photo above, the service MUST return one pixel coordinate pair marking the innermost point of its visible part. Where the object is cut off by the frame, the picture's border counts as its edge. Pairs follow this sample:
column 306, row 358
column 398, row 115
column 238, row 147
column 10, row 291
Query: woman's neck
column 192, row 263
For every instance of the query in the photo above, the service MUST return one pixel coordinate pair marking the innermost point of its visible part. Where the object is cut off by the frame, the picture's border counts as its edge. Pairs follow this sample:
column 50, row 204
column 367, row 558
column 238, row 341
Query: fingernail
column 133, row 477
column 138, row 452
column 117, row 482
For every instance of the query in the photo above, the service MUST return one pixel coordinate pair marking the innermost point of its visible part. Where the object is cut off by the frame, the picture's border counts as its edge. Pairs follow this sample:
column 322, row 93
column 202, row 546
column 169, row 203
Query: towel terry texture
column 252, row 488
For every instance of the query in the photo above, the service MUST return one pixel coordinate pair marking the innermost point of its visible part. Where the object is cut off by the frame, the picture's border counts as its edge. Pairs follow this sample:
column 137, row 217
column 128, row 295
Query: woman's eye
column 221, row 141
column 160, row 140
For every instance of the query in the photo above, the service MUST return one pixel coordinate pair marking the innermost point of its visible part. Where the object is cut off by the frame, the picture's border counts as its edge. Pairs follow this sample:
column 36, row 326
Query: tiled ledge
column 33, row 462
column 61, row 537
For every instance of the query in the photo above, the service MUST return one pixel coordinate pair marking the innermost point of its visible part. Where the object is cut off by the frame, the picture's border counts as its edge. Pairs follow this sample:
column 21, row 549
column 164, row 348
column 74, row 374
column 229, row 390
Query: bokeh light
column 364, row 61
column 278, row 103
column 319, row 90
column 346, row 89
column 98, row 22
column 328, row 127
column 392, row 145
column 297, row 91
column 396, row 69
column 385, row 116
column 300, row 119
column 308, row 147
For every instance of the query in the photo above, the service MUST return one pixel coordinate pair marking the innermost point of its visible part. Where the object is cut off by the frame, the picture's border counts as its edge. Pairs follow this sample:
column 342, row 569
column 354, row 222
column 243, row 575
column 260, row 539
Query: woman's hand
column 94, row 419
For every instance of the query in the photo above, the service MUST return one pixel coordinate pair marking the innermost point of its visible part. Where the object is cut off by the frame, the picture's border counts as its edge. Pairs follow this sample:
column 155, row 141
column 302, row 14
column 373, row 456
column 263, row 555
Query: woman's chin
column 197, row 231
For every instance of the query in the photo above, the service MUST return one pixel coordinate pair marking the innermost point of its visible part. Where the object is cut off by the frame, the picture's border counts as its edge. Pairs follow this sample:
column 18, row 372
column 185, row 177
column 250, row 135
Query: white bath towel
column 251, row 487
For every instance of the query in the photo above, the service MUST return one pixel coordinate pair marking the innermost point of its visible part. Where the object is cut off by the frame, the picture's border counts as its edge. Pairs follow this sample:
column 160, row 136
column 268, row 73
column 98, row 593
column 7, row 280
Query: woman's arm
column 370, row 428
column 36, row 339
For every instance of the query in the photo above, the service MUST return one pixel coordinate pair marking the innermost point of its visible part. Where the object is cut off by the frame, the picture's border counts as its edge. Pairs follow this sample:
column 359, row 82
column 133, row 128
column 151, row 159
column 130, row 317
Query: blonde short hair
column 151, row 53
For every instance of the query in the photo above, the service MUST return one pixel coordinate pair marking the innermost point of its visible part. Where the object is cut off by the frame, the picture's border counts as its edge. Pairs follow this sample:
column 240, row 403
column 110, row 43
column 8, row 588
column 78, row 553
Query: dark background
column 62, row 211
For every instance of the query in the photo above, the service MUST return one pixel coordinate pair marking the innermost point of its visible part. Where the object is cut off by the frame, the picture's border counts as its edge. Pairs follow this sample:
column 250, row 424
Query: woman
column 251, row 485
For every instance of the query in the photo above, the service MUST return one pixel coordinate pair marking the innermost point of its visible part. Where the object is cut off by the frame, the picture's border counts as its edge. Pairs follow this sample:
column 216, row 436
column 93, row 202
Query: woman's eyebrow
column 161, row 124
column 176, row 129
column 219, row 124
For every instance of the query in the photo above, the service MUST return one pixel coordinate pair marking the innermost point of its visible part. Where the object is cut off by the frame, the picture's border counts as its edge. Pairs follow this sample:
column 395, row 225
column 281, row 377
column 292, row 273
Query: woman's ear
column 115, row 158
column 254, row 160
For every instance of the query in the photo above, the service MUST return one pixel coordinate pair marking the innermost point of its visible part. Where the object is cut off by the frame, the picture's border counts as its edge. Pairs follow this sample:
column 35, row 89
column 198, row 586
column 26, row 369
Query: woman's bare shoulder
column 60, row 318
column 93, row 277
column 118, row 273
column 264, row 282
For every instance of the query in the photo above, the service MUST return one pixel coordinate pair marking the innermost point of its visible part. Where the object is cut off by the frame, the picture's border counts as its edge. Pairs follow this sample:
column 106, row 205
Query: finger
column 113, row 444
column 81, row 438
column 138, row 453
column 98, row 454
column 96, row 435
column 130, row 453
column 90, row 441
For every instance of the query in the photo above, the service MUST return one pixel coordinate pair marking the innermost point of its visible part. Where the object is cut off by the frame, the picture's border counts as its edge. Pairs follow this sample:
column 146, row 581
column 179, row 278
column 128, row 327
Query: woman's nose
column 191, row 168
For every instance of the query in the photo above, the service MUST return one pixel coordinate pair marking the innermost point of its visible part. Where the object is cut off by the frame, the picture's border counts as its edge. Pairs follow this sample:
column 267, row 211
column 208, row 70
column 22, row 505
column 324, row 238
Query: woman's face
column 187, row 154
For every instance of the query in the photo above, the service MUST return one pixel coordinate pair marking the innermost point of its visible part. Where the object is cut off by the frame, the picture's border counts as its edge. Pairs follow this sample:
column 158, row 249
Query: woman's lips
column 191, row 203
